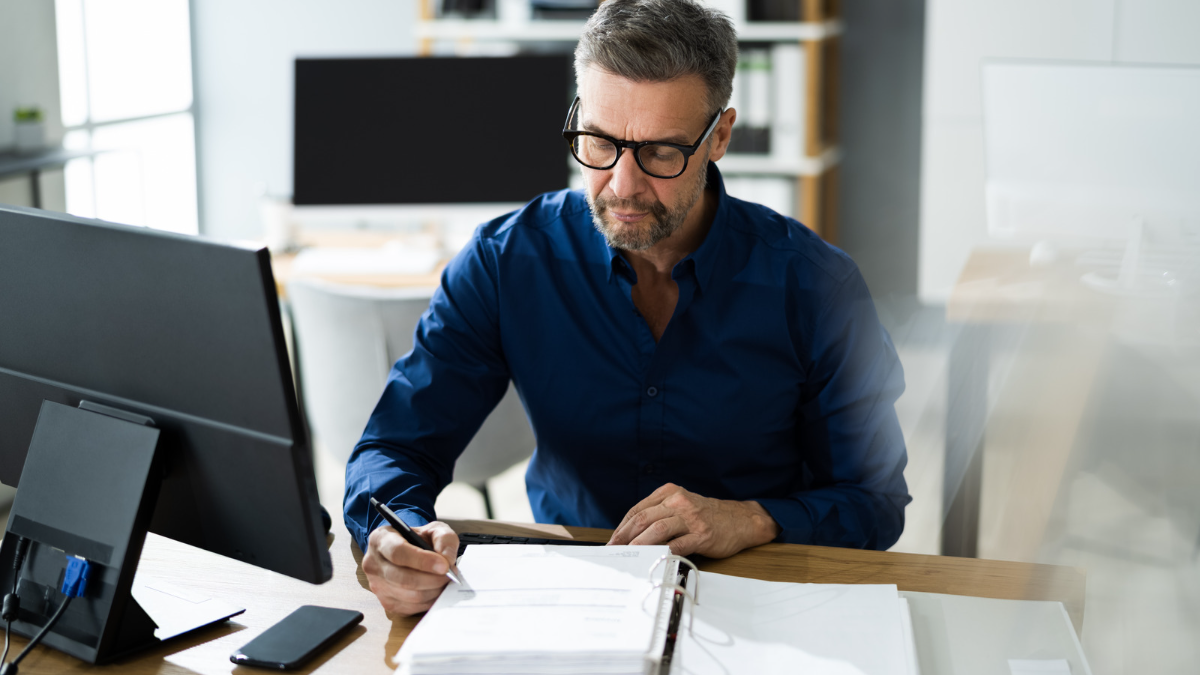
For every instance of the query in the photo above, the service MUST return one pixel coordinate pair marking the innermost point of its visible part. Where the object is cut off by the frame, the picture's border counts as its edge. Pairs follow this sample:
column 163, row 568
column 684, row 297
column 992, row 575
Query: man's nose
column 627, row 177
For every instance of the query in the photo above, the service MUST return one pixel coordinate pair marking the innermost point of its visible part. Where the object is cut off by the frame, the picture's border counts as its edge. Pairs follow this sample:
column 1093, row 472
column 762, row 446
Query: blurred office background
column 1043, row 425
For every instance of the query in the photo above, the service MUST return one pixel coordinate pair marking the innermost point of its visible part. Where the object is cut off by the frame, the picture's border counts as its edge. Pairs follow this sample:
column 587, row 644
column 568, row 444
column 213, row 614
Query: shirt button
column 652, row 392
column 650, row 468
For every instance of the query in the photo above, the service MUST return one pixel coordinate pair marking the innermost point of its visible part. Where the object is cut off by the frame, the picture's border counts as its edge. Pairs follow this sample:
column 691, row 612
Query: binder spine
column 671, row 608
column 661, row 642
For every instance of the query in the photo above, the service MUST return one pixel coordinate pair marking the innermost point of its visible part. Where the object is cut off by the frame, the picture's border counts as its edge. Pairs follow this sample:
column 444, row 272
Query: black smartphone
column 298, row 637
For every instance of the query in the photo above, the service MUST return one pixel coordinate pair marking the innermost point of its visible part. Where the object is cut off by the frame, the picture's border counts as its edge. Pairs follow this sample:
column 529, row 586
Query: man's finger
column 445, row 541
column 686, row 544
column 394, row 549
column 653, row 499
column 661, row 531
column 637, row 523
column 407, row 578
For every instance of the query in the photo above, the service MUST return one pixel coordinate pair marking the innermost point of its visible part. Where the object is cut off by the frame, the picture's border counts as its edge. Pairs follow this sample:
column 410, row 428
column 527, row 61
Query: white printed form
column 542, row 609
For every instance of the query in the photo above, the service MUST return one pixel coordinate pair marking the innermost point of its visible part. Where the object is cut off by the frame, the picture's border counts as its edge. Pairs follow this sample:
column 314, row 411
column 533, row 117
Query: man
column 699, row 371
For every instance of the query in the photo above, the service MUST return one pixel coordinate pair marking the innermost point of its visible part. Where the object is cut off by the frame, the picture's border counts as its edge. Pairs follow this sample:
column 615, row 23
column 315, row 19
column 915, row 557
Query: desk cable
column 74, row 585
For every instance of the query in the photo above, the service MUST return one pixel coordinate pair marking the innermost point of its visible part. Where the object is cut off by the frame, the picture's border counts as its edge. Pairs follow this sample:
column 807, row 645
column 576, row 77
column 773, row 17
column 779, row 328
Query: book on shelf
column 768, row 94
column 467, row 9
column 563, row 10
column 637, row 610
column 752, row 99
column 773, row 10
column 787, row 107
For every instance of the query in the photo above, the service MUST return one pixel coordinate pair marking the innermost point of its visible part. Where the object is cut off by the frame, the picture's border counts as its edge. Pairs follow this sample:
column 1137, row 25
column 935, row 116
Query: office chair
column 347, row 339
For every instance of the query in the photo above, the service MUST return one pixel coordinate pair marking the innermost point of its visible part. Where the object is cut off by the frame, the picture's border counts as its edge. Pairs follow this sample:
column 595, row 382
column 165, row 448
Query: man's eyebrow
column 677, row 139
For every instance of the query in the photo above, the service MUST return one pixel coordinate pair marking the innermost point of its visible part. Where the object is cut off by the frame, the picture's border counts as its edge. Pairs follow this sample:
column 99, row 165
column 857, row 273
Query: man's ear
column 721, row 134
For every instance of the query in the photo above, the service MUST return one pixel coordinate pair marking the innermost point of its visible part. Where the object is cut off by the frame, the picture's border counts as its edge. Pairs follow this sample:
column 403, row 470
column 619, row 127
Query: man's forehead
column 617, row 105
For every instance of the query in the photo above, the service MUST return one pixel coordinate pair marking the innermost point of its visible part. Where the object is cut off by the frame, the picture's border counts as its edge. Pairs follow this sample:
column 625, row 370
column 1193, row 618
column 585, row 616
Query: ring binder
column 682, row 591
column 685, row 561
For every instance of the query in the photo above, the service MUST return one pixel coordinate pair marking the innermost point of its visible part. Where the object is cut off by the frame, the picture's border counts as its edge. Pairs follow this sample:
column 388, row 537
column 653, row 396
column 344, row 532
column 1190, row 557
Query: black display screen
column 430, row 130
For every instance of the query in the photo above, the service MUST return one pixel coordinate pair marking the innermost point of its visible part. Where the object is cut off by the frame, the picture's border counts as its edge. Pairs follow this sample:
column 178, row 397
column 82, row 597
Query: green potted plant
column 30, row 129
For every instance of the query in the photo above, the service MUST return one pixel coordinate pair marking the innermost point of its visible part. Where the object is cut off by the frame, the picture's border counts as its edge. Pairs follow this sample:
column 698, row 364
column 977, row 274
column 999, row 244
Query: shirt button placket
column 651, row 459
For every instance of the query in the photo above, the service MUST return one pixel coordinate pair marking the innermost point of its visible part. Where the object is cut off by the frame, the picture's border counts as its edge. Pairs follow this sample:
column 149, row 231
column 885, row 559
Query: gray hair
column 661, row 40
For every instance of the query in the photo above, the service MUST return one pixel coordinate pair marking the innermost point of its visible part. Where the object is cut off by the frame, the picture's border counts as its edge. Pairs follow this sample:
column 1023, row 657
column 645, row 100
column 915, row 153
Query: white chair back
column 347, row 340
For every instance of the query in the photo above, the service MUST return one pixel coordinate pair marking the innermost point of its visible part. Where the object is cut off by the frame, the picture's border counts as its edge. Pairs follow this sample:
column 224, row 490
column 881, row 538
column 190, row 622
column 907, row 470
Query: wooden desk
column 370, row 648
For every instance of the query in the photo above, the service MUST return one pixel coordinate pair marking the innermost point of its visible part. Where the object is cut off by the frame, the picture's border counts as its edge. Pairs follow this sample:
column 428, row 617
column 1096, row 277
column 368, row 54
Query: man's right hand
column 405, row 578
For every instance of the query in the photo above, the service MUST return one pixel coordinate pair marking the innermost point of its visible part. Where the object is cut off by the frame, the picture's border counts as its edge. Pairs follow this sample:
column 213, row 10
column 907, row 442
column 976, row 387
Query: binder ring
column 664, row 558
column 678, row 589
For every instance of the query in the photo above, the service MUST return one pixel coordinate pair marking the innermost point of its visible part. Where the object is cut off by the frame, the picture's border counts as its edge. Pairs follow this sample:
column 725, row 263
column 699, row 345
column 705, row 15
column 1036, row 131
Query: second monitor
column 430, row 130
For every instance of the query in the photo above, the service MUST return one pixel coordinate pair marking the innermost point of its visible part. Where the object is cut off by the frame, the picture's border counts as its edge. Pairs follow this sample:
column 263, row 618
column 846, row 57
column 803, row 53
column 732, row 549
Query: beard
column 662, row 221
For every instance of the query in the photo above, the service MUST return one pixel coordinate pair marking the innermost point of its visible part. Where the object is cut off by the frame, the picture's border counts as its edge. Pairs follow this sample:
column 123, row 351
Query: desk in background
column 370, row 648
column 282, row 263
column 999, row 290
column 33, row 164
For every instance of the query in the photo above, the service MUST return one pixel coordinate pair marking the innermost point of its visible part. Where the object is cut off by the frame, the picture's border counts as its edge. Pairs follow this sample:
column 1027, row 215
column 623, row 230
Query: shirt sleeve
column 848, row 435
column 436, row 398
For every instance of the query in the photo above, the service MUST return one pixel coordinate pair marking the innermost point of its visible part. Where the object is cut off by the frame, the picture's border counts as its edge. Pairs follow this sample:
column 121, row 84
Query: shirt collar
column 701, row 261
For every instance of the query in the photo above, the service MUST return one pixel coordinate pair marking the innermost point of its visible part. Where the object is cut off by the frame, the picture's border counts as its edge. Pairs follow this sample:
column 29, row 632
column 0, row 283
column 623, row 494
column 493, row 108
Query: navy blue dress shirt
column 774, row 380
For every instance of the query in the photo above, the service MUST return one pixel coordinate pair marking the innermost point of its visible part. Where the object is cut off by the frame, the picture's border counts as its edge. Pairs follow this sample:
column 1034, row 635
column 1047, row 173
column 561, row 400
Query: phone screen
column 297, row 638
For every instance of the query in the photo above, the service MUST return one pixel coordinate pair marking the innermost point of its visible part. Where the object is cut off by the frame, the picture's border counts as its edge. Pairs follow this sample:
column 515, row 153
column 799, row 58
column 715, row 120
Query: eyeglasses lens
column 661, row 160
column 594, row 151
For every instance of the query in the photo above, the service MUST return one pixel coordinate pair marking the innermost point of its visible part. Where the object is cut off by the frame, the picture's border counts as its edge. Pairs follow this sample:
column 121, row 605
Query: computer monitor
column 106, row 331
column 431, row 130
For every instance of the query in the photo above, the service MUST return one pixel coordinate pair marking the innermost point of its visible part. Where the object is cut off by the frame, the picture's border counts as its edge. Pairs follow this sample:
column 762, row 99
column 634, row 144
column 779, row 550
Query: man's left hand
column 689, row 523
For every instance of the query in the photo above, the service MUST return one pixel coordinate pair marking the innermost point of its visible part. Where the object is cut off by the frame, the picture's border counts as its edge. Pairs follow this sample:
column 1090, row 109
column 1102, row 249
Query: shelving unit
column 815, row 171
column 551, row 30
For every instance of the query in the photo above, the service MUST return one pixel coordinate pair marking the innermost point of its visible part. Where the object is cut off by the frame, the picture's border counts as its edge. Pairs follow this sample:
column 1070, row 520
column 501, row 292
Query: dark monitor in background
column 430, row 130
column 154, row 368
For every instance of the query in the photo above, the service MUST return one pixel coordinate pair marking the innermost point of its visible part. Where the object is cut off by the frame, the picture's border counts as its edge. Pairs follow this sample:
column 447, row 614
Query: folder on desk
column 613, row 609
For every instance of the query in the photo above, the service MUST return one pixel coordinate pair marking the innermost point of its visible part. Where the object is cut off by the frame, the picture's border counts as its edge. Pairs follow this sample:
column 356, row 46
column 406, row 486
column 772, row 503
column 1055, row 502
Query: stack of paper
column 546, row 609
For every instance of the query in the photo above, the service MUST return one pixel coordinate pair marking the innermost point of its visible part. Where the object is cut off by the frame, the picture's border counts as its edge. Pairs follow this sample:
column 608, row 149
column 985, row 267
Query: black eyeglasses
column 657, row 158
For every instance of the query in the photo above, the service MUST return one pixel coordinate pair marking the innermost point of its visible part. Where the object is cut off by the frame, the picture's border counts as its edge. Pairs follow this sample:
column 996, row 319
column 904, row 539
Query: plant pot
column 30, row 137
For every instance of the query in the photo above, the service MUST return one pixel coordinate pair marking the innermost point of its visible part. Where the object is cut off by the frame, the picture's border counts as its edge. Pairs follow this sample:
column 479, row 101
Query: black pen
column 412, row 537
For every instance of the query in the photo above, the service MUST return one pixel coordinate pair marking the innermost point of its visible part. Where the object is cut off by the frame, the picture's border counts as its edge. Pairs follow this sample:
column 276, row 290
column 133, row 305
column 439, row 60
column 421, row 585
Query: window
column 125, row 74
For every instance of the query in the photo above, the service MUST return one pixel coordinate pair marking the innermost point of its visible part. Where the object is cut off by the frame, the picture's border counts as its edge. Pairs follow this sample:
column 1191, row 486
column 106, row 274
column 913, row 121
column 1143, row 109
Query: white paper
column 752, row 626
column 910, row 642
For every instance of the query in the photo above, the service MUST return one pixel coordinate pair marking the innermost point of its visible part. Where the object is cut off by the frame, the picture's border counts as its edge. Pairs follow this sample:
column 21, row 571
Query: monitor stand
column 88, row 488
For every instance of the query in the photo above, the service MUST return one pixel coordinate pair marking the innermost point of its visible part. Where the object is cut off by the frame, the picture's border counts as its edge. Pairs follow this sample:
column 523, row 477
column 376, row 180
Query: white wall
column 959, row 34
column 29, row 76
column 243, row 54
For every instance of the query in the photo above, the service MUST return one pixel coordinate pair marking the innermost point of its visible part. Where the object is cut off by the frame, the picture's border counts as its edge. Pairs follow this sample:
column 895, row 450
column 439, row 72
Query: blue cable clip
column 75, row 579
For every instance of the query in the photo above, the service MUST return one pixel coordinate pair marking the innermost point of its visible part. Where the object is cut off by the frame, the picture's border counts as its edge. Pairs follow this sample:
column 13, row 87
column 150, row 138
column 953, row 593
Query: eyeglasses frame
column 688, row 150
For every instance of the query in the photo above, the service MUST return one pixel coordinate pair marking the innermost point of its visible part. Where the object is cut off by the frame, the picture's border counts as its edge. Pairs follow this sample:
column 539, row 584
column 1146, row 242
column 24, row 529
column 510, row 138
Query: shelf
column 765, row 165
column 569, row 31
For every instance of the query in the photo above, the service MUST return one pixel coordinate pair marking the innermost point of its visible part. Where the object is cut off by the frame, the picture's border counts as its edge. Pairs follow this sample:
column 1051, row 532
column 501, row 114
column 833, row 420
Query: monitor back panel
column 180, row 329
